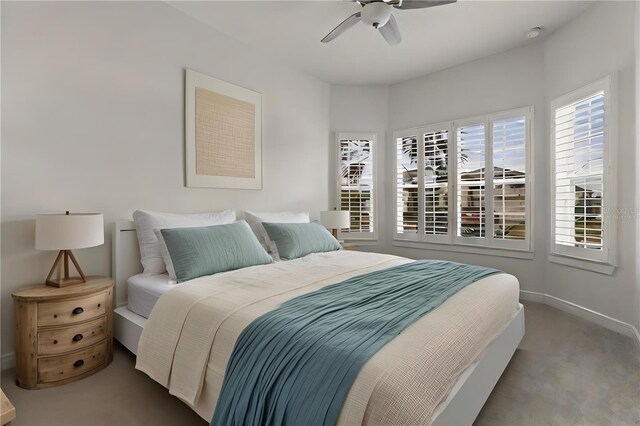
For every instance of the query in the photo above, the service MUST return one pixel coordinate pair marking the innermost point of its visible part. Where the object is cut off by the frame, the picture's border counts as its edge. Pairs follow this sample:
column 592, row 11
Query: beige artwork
column 225, row 135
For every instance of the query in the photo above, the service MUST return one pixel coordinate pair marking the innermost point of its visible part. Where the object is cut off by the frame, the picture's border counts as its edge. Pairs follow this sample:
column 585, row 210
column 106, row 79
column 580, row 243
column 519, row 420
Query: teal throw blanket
column 296, row 364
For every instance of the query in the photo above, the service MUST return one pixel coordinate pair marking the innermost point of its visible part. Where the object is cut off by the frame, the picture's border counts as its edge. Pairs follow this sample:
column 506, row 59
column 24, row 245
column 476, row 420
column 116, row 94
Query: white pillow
column 255, row 222
column 164, row 251
column 150, row 247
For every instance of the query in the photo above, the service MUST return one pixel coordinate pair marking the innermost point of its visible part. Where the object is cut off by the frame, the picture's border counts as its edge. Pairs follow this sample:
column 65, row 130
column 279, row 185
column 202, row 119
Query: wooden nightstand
column 63, row 334
column 349, row 246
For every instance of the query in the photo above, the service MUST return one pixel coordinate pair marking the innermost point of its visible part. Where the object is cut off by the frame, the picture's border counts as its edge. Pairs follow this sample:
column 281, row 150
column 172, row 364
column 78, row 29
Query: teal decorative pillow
column 295, row 240
column 207, row 250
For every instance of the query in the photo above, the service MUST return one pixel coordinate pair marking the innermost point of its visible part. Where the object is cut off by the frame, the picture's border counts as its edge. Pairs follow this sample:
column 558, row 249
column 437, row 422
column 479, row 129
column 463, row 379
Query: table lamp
column 334, row 220
column 64, row 232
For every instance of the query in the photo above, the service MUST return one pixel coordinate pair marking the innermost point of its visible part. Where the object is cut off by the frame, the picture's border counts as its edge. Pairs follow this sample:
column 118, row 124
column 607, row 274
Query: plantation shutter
column 436, row 183
column 407, row 194
column 579, row 175
column 470, row 197
column 509, row 136
column 356, row 184
column 466, row 182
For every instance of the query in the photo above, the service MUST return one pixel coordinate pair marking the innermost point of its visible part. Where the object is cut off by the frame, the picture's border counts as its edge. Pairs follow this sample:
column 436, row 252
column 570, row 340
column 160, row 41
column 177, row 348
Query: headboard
column 125, row 259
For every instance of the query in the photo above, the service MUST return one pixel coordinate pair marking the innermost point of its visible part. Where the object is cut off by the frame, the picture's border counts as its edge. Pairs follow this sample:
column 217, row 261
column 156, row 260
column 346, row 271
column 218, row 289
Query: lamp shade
column 335, row 219
column 60, row 231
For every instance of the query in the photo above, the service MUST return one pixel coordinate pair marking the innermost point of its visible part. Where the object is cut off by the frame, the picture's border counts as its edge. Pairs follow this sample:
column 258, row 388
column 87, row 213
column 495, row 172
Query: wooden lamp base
column 63, row 257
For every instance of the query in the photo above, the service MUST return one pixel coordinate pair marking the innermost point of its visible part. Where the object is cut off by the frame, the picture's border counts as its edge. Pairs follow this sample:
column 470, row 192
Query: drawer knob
column 78, row 311
column 78, row 363
column 77, row 337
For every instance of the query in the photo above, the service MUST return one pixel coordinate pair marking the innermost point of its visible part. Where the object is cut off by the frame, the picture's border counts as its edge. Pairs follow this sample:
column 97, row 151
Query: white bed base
column 461, row 406
column 127, row 326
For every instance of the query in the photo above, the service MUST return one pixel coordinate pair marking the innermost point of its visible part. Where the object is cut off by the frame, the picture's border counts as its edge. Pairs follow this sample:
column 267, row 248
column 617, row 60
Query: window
column 466, row 182
column 582, row 188
column 356, row 181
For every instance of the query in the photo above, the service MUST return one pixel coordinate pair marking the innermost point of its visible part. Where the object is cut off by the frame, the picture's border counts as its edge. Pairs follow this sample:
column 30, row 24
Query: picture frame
column 223, row 134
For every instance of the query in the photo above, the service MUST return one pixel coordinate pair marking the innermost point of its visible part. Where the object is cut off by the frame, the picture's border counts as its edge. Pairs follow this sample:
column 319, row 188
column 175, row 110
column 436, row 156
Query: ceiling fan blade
column 420, row 4
column 391, row 32
column 344, row 26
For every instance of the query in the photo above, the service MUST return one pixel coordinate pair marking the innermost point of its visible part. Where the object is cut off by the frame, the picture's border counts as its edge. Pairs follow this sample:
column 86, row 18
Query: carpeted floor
column 566, row 372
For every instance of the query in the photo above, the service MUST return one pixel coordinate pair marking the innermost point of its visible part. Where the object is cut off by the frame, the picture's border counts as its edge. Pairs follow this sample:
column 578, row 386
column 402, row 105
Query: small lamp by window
column 334, row 220
column 63, row 232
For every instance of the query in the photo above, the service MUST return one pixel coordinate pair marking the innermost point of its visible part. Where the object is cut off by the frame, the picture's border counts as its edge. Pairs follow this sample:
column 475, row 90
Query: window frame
column 607, row 256
column 373, row 138
column 489, row 242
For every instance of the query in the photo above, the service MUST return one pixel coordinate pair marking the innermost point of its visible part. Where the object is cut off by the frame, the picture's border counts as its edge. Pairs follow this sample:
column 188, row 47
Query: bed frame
column 125, row 263
column 461, row 406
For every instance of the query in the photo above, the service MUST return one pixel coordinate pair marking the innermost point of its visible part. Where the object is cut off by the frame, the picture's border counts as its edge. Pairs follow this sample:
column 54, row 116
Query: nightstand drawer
column 72, row 311
column 66, row 366
column 69, row 339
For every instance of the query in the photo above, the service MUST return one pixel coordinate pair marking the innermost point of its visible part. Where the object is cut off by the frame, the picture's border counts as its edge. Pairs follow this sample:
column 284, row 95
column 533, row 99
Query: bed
column 453, row 393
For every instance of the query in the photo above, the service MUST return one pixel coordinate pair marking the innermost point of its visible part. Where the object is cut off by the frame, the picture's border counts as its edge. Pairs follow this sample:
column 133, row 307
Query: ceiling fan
column 377, row 13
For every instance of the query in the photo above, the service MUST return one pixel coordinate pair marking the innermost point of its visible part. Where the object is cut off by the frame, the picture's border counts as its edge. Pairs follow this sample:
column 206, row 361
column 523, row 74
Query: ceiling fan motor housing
column 376, row 14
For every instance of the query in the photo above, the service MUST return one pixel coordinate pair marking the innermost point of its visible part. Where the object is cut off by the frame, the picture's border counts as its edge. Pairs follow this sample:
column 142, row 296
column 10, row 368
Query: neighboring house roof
column 596, row 192
column 479, row 173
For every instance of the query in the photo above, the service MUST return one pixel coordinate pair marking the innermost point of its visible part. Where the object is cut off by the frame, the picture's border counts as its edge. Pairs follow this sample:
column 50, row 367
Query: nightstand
column 63, row 334
column 349, row 246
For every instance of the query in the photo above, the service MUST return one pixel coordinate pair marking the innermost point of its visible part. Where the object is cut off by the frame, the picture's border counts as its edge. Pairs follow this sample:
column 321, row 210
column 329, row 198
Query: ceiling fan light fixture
column 376, row 14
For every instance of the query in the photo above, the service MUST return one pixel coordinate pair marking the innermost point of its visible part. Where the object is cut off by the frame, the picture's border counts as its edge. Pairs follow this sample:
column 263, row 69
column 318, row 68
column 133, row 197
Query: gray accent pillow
column 196, row 252
column 295, row 240
column 255, row 222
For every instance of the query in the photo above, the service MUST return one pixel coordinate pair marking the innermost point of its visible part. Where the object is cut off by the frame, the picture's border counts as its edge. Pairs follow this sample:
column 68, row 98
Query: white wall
column 500, row 82
column 533, row 75
column 637, row 209
column 570, row 62
column 93, row 120
column 364, row 109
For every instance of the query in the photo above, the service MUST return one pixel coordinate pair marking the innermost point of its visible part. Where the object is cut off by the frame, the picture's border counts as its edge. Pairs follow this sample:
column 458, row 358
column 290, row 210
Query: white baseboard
column 584, row 313
column 8, row 361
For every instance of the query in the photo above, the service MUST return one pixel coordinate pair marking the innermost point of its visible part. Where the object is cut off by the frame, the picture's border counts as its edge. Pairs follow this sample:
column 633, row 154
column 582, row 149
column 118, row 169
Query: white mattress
column 143, row 291
column 186, row 344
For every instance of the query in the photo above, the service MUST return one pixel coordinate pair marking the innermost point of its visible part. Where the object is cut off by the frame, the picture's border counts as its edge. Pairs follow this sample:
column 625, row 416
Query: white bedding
column 143, row 291
column 190, row 335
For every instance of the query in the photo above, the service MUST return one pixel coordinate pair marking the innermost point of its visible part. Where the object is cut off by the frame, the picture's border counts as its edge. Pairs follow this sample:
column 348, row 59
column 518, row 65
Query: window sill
column 587, row 265
column 360, row 243
column 458, row 248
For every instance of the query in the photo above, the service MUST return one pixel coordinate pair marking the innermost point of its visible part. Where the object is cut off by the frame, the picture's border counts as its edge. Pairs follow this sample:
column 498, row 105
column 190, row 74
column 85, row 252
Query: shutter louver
column 356, row 184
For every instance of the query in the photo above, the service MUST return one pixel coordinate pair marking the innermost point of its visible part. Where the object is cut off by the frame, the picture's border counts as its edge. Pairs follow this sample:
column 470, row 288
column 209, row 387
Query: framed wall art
column 223, row 134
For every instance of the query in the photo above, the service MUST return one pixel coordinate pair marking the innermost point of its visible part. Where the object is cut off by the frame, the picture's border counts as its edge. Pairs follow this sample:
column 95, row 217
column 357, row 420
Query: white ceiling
column 433, row 38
